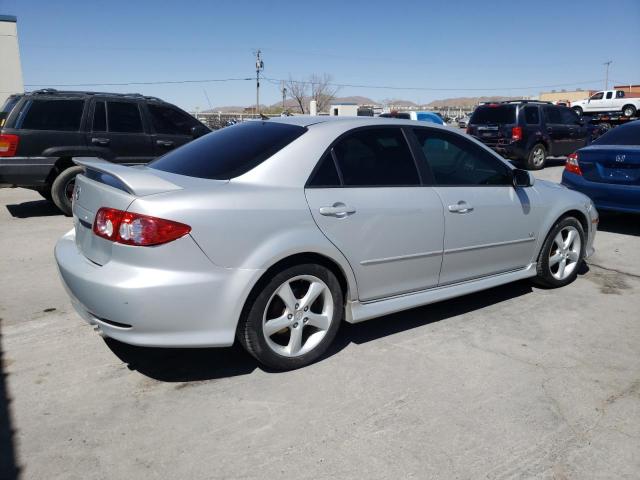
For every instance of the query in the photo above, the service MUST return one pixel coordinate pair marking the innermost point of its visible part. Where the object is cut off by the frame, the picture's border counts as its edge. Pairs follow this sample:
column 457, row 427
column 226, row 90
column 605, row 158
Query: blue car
column 608, row 170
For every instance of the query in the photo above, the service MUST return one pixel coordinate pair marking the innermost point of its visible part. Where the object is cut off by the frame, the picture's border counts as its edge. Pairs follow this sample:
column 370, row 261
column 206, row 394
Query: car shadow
column 34, row 208
column 9, row 467
column 622, row 223
column 189, row 365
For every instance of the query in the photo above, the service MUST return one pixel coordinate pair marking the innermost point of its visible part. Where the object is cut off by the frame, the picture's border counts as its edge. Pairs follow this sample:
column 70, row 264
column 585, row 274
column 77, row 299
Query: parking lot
column 514, row 382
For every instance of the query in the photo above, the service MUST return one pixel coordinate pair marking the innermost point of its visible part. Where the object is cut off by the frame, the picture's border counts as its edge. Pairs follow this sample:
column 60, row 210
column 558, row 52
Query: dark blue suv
column 529, row 131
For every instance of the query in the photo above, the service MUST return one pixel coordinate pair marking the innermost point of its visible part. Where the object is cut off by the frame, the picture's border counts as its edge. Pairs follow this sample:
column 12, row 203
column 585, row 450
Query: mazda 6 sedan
column 274, row 232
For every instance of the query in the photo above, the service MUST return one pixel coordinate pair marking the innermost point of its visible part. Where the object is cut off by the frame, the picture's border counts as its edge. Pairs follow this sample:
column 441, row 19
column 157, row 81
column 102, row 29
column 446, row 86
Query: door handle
column 100, row 141
column 460, row 207
column 338, row 209
column 164, row 143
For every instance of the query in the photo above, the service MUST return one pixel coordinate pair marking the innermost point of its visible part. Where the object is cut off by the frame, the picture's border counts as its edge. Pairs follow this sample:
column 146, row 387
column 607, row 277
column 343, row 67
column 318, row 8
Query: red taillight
column 8, row 145
column 516, row 133
column 136, row 229
column 572, row 164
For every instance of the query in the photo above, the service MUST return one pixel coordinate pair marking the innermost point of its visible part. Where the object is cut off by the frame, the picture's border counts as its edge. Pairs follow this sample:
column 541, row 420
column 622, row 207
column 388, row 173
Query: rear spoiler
column 137, row 181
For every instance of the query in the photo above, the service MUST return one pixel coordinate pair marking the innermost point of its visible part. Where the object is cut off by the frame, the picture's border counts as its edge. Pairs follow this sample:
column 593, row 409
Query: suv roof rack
column 516, row 101
column 53, row 91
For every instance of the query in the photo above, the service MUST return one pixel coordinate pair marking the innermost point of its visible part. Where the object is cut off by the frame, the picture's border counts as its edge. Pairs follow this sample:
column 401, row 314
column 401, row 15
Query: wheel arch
column 59, row 166
column 572, row 212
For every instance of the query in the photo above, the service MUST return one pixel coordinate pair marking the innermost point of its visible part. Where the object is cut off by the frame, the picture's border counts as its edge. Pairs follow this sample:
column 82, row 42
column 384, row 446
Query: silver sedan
column 274, row 232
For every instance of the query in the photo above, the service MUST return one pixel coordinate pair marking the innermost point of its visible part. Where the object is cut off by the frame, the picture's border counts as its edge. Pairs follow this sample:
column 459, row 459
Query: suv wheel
column 561, row 254
column 62, row 189
column 537, row 157
column 293, row 319
column 578, row 111
column 629, row 111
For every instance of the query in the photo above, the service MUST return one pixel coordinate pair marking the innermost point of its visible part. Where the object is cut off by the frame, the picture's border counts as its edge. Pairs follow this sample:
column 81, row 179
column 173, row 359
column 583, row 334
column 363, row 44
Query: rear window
column 61, row 115
column 494, row 114
column 229, row 152
column 624, row 135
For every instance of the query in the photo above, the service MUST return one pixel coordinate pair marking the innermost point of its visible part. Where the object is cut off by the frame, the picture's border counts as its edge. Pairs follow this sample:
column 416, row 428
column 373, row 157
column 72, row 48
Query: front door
column 366, row 196
column 489, row 225
column 118, row 133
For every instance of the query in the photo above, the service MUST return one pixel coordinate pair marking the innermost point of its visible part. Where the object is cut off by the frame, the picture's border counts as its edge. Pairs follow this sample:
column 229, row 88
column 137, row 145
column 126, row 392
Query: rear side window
column 61, row 115
column 326, row 173
column 531, row 115
column 628, row 134
column 375, row 157
column 494, row 115
column 552, row 115
column 229, row 152
column 454, row 160
column 170, row 121
column 124, row 117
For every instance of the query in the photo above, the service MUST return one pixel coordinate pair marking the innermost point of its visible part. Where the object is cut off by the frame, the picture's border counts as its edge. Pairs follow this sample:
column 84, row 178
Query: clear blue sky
column 494, row 46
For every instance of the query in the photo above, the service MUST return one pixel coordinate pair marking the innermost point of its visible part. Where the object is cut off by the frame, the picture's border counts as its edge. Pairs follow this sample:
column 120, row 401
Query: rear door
column 171, row 127
column 367, row 198
column 490, row 226
column 559, row 133
column 118, row 132
column 578, row 130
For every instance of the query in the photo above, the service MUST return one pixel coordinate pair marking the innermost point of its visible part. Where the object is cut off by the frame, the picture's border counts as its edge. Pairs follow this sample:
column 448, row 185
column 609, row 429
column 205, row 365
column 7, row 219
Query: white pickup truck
column 607, row 101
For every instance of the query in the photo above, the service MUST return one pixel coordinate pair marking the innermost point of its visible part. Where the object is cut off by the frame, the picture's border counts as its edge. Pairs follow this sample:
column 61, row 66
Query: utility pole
column 259, row 68
column 283, row 89
column 606, row 81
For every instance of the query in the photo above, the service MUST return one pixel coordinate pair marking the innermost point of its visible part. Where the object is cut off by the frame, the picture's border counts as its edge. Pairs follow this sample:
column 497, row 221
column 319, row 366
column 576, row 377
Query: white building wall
column 11, row 69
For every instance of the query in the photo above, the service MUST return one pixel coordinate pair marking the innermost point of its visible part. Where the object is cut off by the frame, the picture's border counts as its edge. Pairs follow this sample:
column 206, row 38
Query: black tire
column 578, row 111
column 545, row 277
column 533, row 161
column 629, row 110
column 44, row 191
column 250, row 328
column 62, row 188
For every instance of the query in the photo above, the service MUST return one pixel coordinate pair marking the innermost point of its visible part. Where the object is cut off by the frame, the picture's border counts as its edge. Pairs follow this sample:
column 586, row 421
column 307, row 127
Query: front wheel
column 292, row 320
column 537, row 157
column 561, row 254
column 62, row 189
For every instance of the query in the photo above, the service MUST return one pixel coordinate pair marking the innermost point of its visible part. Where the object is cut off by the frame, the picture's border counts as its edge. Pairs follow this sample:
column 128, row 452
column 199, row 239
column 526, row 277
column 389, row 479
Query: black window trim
column 480, row 146
column 329, row 150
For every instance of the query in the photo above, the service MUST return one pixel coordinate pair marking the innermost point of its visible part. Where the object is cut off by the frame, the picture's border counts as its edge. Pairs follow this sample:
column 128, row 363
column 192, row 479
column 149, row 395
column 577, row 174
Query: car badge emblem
column 620, row 158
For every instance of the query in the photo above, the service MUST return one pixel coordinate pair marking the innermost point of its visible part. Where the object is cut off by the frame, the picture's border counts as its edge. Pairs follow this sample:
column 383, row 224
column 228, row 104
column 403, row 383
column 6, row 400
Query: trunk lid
column 618, row 164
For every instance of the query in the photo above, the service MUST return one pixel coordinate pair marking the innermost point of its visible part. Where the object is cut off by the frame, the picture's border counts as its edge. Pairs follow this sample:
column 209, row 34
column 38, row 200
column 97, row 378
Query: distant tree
column 317, row 87
column 298, row 91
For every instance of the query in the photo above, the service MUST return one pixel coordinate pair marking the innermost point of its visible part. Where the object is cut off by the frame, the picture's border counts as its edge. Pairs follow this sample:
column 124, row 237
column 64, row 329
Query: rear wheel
column 537, row 157
column 561, row 254
column 578, row 110
column 292, row 320
column 62, row 189
column 628, row 110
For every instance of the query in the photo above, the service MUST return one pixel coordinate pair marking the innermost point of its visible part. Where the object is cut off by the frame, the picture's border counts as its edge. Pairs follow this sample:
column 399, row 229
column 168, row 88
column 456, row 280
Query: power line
column 160, row 82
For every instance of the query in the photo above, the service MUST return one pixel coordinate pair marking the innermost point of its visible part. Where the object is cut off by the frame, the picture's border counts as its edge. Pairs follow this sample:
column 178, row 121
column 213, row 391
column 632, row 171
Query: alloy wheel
column 564, row 254
column 538, row 157
column 298, row 316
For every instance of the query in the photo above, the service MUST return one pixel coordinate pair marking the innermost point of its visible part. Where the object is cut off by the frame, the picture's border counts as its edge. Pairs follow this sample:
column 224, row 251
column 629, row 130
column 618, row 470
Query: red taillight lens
column 8, row 145
column 572, row 164
column 136, row 229
column 516, row 133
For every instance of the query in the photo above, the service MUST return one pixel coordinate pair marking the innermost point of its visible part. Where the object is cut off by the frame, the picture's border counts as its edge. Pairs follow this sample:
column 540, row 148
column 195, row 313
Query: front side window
column 376, row 157
column 61, row 115
column 229, row 152
column 455, row 160
column 552, row 115
column 531, row 115
column 568, row 116
column 597, row 96
column 124, row 117
column 170, row 121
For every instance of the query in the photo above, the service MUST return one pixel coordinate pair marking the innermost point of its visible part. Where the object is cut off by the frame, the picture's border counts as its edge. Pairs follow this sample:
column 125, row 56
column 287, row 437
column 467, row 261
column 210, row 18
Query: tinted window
column 568, row 116
column 326, row 175
column 376, row 157
column 124, row 117
column 64, row 115
column 99, row 118
column 609, row 95
column 531, row 115
column 494, row 114
column 455, row 160
column 597, row 96
column 171, row 121
column 628, row 134
column 229, row 152
column 552, row 115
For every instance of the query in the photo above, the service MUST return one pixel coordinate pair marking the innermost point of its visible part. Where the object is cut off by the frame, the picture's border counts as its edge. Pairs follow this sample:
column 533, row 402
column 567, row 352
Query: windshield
column 229, row 152
column 494, row 114
column 628, row 134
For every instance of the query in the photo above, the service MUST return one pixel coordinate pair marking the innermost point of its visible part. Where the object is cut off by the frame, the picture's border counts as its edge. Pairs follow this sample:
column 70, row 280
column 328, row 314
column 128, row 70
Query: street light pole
column 259, row 68
column 606, row 81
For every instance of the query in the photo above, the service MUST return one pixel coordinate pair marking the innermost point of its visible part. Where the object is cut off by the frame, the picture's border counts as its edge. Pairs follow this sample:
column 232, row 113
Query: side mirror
column 522, row 178
column 199, row 130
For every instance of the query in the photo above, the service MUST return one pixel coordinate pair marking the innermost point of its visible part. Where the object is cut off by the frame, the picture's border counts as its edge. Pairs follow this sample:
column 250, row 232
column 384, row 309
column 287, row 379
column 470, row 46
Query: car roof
column 349, row 122
column 80, row 93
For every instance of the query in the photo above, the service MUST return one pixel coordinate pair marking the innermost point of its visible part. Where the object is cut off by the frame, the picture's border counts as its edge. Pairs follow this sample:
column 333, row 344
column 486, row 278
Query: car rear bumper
column 605, row 196
column 197, row 305
column 25, row 171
